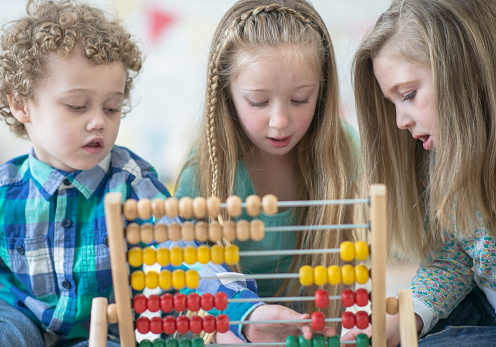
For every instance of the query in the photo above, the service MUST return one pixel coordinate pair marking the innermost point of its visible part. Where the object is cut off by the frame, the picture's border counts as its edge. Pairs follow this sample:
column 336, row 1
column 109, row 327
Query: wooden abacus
column 242, row 230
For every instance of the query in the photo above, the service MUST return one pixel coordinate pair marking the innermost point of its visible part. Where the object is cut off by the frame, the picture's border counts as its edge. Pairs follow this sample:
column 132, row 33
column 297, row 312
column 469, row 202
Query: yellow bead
column 203, row 254
column 334, row 274
column 348, row 274
column 138, row 280
column 361, row 274
column 152, row 279
column 347, row 251
column 163, row 257
column 190, row 255
column 176, row 255
column 217, row 254
column 361, row 250
column 306, row 275
column 165, row 279
column 231, row 254
column 149, row 256
column 192, row 279
column 135, row 257
column 320, row 275
column 178, row 279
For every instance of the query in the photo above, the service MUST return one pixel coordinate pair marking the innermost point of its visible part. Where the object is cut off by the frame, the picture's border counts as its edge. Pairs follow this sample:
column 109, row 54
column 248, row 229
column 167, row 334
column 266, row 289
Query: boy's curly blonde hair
column 57, row 27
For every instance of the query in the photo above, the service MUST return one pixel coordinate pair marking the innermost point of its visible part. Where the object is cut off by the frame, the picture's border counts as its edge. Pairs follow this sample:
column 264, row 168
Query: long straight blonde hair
column 451, row 190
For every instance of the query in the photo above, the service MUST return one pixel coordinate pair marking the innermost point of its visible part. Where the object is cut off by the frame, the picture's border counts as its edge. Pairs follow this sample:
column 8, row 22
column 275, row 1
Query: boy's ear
column 19, row 109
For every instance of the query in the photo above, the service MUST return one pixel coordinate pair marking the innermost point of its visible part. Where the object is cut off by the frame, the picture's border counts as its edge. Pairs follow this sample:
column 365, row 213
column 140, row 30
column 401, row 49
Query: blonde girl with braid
column 272, row 125
column 428, row 67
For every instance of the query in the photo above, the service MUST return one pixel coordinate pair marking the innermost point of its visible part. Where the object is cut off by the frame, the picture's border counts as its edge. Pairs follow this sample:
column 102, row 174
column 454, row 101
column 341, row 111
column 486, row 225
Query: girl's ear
column 19, row 109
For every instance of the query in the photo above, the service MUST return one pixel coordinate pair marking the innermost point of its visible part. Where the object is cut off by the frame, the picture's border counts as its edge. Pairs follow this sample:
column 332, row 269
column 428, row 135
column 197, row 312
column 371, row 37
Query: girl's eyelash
column 257, row 104
column 410, row 96
column 299, row 102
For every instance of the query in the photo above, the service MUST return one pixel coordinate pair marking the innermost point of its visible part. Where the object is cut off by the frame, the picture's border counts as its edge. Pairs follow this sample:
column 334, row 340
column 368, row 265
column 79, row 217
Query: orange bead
column 229, row 231
column 144, row 209
column 233, row 204
column 199, row 207
column 158, row 208
column 131, row 209
column 174, row 231
column 214, row 231
column 269, row 204
column 243, row 230
column 171, row 207
column 213, row 206
column 186, row 207
column 188, row 231
column 201, row 231
column 146, row 233
column 160, row 232
column 133, row 233
column 257, row 230
column 253, row 205
column 391, row 305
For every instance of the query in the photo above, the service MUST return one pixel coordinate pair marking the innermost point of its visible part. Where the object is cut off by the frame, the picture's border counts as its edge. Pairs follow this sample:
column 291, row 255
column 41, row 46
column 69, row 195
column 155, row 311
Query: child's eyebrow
column 89, row 91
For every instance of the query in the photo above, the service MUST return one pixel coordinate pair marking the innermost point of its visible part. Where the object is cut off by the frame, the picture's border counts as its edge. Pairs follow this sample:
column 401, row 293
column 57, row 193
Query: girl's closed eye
column 410, row 96
column 257, row 104
column 300, row 102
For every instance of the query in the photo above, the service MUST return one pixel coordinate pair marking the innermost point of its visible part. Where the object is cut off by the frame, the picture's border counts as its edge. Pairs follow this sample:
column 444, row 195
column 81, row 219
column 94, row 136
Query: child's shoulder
column 14, row 170
column 126, row 160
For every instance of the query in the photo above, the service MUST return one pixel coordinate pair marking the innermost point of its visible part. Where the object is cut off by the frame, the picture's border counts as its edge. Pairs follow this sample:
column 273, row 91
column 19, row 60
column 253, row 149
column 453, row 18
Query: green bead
column 184, row 342
column 171, row 342
column 197, row 342
column 304, row 342
column 362, row 340
column 333, row 341
column 145, row 343
column 318, row 341
column 291, row 341
column 158, row 342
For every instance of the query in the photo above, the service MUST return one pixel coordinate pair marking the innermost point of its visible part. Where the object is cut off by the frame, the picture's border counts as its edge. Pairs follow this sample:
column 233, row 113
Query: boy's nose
column 97, row 121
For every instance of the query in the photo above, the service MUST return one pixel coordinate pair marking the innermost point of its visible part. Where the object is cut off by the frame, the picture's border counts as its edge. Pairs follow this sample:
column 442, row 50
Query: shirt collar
column 49, row 179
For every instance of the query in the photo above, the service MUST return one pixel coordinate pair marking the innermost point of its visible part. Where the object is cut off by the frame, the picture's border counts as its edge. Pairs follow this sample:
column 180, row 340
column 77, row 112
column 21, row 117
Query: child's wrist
column 419, row 323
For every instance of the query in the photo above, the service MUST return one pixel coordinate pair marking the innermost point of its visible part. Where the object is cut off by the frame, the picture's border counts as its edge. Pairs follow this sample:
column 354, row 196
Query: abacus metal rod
column 306, row 203
column 235, row 275
column 288, row 252
column 267, row 344
column 280, row 299
column 316, row 227
column 282, row 321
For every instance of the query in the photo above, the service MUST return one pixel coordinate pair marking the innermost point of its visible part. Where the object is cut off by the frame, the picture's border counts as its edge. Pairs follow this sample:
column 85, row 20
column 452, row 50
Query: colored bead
column 182, row 324
column 233, row 204
column 167, row 302
column 229, row 231
column 189, row 255
column 318, row 341
column 171, row 207
column 201, row 231
column 138, row 280
column 193, row 302
column 217, row 254
column 171, row 342
column 213, row 206
column 362, row 297
column 169, row 325
column 199, row 207
column 333, row 341
column 174, row 231
column 361, row 250
column 184, row 342
column 112, row 313
column 165, row 280
column 135, row 257
column 143, row 325
column 188, row 231
column 257, row 230
column 133, row 234
column 186, row 207
column 306, row 275
column 158, row 208
column 362, row 340
column 180, row 302
column 222, row 323
column 208, row 323
column 156, row 325
column 292, row 341
column 197, row 342
column 269, row 204
column 253, row 205
column 348, row 274
column 243, row 230
column 192, row 279
column 158, row 342
column 318, row 320
column 139, row 303
column 131, row 209
column 196, row 324
column 303, row 342
column 347, row 251
column 347, row 297
column 144, row 209
column 321, row 298
column 348, row 320
column 145, row 343
column 153, row 303
column 149, row 256
column 178, row 279
column 361, row 274
column 160, row 232
column 320, row 275
column 334, row 274
column 214, row 231
column 146, row 233
column 391, row 305
column 163, row 256
column 176, row 255
column 362, row 320
column 203, row 253
column 151, row 279
column 231, row 254
column 220, row 301
column 207, row 301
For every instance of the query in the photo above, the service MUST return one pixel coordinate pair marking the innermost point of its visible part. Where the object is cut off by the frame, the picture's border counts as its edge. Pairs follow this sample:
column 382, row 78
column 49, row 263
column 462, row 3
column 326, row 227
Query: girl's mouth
column 279, row 142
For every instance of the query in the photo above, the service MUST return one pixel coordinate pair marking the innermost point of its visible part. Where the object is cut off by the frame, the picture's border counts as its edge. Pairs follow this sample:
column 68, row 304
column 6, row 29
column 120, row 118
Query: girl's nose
column 403, row 120
column 279, row 118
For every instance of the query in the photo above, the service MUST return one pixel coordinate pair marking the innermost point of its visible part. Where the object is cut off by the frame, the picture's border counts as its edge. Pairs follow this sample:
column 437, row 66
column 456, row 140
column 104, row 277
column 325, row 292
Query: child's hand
column 278, row 332
column 392, row 332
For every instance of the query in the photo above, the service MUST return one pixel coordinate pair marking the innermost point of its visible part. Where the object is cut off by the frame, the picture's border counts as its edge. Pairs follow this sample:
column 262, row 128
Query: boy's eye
column 257, row 104
column 76, row 107
column 410, row 96
column 113, row 110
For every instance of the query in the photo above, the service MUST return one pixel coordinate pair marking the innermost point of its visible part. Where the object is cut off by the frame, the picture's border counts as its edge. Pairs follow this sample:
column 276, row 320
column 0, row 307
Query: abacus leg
column 98, row 324
column 408, row 331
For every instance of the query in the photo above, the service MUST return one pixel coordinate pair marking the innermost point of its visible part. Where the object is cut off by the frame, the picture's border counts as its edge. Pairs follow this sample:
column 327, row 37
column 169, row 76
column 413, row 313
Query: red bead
column 222, row 323
column 318, row 320
column 362, row 319
column 220, row 301
column 207, row 301
column 167, row 302
column 195, row 324
column 139, row 303
column 180, row 302
column 182, row 324
column 153, row 303
column 362, row 297
column 193, row 302
column 143, row 325
column 169, row 325
column 347, row 297
column 208, row 323
column 348, row 320
column 321, row 298
column 156, row 325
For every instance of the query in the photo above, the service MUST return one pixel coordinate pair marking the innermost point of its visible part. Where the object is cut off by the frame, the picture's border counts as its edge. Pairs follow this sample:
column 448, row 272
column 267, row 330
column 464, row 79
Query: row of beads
column 350, row 298
column 350, row 251
column 177, row 279
column 198, row 207
column 179, row 302
column 362, row 340
column 177, row 255
column 241, row 230
column 321, row 275
column 182, row 324
column 171, row 342
column 349, row 320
